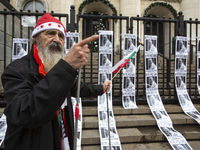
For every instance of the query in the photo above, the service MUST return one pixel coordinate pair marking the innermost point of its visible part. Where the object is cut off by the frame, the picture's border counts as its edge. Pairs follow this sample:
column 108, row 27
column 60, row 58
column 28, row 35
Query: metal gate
column 89, row 24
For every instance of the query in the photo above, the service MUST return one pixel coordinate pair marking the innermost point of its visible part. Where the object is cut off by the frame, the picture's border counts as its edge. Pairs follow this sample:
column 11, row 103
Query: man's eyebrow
column 49, row 31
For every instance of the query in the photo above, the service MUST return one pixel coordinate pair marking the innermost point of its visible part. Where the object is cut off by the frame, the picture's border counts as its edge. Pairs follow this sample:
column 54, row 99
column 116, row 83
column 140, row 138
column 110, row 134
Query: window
column 33, row 6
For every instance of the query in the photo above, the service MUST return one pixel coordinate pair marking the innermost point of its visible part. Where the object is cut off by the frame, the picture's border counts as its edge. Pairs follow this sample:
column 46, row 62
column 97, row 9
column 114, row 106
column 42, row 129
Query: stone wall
column 8, row 43
column 9, row 37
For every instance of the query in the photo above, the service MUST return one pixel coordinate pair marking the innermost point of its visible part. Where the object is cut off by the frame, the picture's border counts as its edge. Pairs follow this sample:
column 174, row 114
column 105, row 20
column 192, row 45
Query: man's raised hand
column 78, row 55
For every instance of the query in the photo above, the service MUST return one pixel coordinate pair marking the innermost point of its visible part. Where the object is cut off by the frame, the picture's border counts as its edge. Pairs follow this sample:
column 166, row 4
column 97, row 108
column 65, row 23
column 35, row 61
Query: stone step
column 142, row 110
column 141, row 134
column 137, row 128
column 146, row 146
column 128, row 121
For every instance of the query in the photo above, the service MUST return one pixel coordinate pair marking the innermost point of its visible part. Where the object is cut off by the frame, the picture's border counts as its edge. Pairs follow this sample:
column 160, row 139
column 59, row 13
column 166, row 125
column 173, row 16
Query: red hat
column 47, row 22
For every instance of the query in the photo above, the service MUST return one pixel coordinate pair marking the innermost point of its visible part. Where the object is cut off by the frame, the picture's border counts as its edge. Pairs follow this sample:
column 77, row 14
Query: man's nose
column 56, row 39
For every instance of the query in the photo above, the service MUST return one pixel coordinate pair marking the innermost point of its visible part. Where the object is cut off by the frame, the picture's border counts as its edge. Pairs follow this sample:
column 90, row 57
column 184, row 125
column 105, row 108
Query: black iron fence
column 88, row 24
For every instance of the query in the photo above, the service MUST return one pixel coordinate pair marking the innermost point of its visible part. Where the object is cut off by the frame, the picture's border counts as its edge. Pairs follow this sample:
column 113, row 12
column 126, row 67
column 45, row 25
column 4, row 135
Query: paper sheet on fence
column 198, row 63
column 128, row 84
column 107, row 126
column 180, row 75
column 20, row 48
column 175, row 139
column 71, row 39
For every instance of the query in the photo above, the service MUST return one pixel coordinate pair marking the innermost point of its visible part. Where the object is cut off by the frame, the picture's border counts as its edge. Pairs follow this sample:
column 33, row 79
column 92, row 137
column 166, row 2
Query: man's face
column 104, row 58
column 150, row 81
column 51, row 35
column 179, row 79
column 150, row 62
column 127, row 100
column 104, row 116
column 71, row 41
column 181, row 44
column 104, row 78
column 129, row 42
column 150, row 43
column 19, row 46
column 106, row 133
column 50, row 48
column 128, row 80
column 104, row 39
column 180, row 60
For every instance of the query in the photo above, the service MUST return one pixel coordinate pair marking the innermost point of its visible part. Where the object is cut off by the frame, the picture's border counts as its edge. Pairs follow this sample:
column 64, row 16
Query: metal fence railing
column 89, row 24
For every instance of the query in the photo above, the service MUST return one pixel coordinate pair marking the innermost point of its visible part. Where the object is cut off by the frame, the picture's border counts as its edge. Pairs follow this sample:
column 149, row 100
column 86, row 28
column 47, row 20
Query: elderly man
column 38, row 89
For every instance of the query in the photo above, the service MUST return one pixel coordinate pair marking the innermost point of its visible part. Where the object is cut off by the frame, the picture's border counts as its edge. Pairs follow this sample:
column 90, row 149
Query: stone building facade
column 130, row 8
column 124, row 7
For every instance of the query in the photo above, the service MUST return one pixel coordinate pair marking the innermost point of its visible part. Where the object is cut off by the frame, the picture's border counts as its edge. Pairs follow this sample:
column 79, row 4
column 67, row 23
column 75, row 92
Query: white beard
column 50, row 55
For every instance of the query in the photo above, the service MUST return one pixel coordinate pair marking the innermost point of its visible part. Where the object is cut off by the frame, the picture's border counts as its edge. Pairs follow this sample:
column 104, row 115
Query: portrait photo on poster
column 152, row 82
column 128, row 83
column 198, row 63
column 103, row 116
column 184, row 100
column 181, row 147
column 104, row 132
column 20, row 48
column 105, row 60
column 160, row 115
column 154, row 100
column 170, row 132
column 71, row 41
column 194, row 114
column 151, row 64
column 180, row 82
column 198, row 80
column 130, row 66
column 105, row 41
column 181, row 47
column 113, row 133
column 129, row 44
column 150, row 45
column 198, row 44
column 181, row 64
column 129, row 101
column 104, row 77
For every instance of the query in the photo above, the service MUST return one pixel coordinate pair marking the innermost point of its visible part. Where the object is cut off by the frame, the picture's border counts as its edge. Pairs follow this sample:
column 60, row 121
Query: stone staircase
column 137, row 128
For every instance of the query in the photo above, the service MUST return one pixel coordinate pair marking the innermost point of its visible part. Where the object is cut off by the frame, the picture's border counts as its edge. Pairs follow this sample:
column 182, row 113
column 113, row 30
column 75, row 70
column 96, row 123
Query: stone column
column 60, row 6
column 130, row 8
column 190, row 9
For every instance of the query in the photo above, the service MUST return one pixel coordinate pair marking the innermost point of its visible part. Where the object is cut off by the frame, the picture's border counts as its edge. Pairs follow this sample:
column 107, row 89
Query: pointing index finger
column 88, row 40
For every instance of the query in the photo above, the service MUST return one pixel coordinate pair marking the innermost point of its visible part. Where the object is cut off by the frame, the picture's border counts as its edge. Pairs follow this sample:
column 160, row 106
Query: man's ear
column 35, row 38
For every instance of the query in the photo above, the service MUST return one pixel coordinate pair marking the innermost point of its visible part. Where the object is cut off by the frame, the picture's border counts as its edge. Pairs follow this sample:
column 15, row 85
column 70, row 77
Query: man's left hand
column 106, row 86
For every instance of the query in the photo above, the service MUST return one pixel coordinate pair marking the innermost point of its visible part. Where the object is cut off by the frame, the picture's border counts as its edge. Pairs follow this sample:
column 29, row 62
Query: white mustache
column 54, row 45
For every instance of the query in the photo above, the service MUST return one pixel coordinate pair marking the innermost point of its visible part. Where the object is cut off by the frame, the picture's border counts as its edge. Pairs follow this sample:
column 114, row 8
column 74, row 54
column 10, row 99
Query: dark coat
column 32, row 102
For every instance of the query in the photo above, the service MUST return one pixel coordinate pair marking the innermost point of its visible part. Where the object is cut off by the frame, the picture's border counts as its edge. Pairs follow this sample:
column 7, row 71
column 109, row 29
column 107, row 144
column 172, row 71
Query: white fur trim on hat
column 47, row 26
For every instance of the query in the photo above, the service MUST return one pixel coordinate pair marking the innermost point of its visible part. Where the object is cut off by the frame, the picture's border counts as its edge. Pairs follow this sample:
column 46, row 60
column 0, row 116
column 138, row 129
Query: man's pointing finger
column 87, row 40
